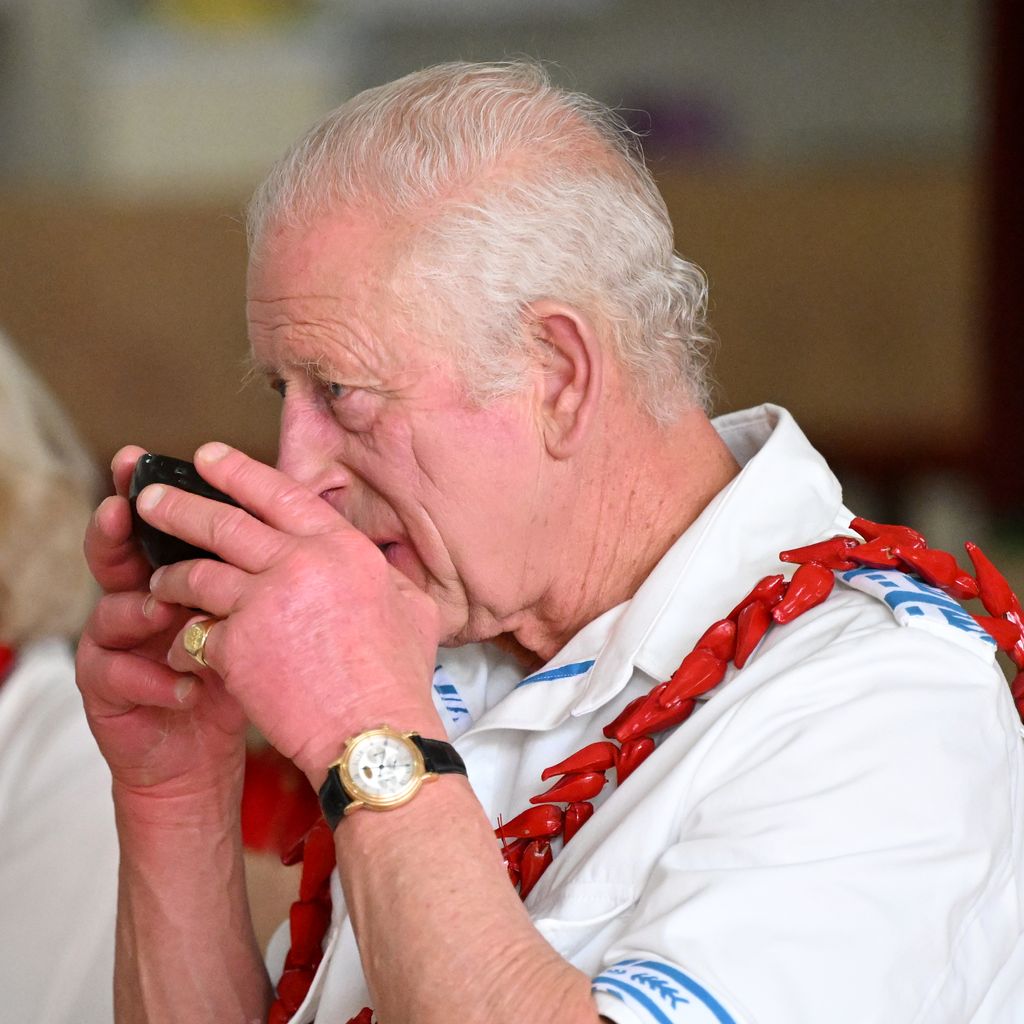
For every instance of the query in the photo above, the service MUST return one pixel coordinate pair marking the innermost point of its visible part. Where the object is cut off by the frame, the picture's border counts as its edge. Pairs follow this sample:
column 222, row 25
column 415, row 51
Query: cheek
column 457, row 478
column 490, row 489
column 484, row 448
column 502, row 468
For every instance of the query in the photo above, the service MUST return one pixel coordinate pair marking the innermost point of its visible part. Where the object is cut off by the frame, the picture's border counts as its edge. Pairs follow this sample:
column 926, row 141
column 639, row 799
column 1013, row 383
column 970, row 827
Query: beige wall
column 136, row 317
column 849, row 295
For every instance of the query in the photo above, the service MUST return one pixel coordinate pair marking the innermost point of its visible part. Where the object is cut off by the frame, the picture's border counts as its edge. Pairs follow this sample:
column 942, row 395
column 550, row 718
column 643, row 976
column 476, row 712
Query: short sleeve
column 645, row 991
column 845, row 852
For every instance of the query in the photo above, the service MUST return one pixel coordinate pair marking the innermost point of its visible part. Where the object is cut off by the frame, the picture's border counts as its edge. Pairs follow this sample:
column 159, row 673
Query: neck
column 618, row 520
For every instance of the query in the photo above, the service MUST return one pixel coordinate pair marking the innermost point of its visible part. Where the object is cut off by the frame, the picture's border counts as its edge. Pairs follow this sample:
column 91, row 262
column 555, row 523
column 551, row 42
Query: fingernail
column 157, row 574
column 212, row 452
column 151, row 496
column 183, row 687
column 148, row 605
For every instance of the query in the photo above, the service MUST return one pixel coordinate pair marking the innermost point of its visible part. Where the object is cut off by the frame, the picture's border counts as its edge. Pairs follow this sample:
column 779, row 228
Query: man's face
column 376, row 420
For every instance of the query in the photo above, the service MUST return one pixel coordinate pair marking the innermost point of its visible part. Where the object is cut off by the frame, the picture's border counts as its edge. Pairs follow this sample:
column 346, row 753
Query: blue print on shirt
column 449, row 694
column 577, row 668
column 660, row 987
column 909, row 599
column 657, row 989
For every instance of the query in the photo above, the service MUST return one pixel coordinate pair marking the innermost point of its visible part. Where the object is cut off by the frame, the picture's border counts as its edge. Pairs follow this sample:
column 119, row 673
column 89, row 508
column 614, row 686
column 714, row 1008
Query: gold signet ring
column 195, row 639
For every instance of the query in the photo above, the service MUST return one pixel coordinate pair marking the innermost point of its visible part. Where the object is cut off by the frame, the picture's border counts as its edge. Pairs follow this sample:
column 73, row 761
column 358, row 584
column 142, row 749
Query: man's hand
column 176, row 748
column 162, row 731
column 320, row 637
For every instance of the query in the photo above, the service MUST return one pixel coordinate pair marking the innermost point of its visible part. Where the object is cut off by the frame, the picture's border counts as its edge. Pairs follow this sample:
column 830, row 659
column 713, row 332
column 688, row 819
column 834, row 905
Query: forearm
column 442, row 934
column 185, row 944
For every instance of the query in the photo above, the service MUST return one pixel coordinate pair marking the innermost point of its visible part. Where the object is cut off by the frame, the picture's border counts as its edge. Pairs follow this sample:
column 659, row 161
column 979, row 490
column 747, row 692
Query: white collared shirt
column 836, row 834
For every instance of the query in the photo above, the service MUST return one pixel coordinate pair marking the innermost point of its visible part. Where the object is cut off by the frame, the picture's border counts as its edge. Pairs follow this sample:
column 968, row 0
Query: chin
column 466, row 631
column 457, row 634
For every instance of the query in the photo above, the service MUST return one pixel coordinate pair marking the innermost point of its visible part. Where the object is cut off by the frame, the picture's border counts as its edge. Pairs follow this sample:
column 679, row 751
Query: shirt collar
column 784, row 496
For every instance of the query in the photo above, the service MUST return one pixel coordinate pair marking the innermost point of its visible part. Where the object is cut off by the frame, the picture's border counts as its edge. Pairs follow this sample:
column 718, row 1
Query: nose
column 309, row 448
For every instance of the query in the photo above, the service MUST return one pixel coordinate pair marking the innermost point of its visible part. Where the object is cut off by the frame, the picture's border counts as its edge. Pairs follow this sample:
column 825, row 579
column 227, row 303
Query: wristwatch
column 382, row 769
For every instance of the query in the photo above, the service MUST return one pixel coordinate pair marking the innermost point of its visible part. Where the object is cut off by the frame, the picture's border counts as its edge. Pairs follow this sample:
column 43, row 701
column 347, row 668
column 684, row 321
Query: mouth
column 390, row 544
column 402, row 556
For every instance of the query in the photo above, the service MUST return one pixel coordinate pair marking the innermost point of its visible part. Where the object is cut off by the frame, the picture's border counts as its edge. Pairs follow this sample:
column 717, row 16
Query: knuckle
column 225, row 645
column 225, row 526
column 92, row 667
column 104, row 616
column 292, row 496
column 194, row 575
column 84, row 656
column 96, row 547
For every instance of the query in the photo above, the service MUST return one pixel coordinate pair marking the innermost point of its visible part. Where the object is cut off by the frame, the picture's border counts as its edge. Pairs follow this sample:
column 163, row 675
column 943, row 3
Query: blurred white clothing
column 58, row 849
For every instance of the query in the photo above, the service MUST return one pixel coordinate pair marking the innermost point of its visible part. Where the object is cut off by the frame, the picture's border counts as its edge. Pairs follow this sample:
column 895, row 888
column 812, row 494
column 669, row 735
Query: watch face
column 382, row 768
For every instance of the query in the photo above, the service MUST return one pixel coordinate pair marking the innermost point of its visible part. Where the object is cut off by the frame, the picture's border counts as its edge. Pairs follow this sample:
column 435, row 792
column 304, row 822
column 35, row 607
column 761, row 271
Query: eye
column 279, row 385
column 336, row 390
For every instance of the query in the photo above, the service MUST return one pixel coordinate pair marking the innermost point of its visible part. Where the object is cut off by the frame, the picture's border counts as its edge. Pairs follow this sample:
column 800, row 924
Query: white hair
column 517, row 191
column 47, row 491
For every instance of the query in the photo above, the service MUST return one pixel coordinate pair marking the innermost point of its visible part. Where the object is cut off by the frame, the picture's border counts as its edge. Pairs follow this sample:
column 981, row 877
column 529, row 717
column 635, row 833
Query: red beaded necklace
column 561, row 810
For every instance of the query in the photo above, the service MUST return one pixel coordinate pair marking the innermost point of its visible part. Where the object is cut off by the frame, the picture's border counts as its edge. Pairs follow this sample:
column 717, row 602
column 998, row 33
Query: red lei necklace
column 6, row 662
column 561, row 810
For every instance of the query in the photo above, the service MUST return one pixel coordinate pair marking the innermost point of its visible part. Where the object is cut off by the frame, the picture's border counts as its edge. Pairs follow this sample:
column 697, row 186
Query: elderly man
column 494, row 442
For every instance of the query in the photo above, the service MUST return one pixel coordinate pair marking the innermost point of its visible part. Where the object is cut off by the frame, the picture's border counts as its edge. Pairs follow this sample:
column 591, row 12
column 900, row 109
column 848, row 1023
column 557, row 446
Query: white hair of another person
column 47, row 491
column 514, row 190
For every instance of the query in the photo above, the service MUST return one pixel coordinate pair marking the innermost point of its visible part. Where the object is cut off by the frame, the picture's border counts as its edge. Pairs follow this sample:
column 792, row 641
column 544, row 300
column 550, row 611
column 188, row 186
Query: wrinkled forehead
column 342, row 254
column 330, row 343
column 333, row 288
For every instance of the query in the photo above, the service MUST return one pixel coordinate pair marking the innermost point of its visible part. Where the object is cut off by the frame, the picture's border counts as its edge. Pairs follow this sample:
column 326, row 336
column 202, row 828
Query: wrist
column 202, row 800
column 318, row 755
column 383, row 769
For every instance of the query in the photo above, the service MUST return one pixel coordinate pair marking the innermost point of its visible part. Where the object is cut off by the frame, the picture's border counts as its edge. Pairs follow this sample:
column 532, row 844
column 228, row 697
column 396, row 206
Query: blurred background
column 846, row 171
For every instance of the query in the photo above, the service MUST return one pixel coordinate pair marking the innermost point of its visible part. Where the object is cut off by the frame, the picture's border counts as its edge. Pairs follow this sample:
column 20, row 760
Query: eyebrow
column 318, row 369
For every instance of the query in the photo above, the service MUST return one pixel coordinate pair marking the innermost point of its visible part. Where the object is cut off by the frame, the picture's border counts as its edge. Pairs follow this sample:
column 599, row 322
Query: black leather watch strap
column 333, row 798
column 439, row 757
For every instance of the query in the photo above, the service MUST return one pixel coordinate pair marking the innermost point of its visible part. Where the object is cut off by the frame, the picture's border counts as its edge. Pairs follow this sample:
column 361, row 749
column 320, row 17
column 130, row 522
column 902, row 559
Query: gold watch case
column 366, row 795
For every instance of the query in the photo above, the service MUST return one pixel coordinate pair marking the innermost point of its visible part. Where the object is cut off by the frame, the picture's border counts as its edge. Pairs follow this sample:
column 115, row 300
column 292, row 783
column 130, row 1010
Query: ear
column 570, row 360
